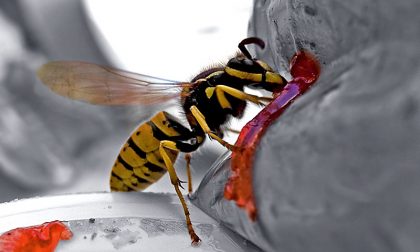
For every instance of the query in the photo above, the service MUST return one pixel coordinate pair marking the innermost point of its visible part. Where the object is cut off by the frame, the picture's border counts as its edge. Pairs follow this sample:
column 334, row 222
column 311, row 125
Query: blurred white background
column 170, row 39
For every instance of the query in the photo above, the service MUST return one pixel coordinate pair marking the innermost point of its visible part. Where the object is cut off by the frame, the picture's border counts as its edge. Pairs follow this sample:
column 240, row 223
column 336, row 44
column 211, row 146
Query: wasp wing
column 98, row 84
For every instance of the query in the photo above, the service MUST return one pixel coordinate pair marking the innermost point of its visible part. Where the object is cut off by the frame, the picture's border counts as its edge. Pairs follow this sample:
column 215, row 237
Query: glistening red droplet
column 305, row 70
column 304, row 65
column 41, row 238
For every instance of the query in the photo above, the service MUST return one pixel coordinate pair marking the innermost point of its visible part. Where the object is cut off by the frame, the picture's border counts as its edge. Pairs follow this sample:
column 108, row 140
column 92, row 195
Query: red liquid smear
column 41, row 238
column 305, row 70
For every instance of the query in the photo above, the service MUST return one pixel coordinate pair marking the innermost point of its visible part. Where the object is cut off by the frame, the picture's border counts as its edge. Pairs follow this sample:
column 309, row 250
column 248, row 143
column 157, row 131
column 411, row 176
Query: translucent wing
column 98, row 84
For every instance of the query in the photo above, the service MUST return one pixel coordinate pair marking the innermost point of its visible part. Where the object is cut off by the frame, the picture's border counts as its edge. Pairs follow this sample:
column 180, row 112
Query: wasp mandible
column 209, row 100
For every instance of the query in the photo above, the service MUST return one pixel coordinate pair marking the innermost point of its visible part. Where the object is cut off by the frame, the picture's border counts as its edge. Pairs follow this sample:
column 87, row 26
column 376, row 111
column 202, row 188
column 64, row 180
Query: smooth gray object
column 339, row 171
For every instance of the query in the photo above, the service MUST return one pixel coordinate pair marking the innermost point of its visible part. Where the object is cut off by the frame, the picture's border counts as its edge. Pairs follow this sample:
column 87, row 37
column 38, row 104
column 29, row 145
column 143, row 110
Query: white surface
column 122, row 222
column 27, row 212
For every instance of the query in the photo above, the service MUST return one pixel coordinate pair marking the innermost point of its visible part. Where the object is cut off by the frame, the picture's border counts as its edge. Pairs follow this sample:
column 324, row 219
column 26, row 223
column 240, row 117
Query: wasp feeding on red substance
column 305, row 70
column 208, row 101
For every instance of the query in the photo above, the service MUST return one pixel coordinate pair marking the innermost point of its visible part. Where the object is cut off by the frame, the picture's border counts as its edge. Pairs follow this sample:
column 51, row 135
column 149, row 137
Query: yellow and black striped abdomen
column 139, row 163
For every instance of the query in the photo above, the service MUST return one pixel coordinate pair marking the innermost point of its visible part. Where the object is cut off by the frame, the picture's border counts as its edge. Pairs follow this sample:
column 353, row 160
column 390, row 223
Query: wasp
column 209, row 100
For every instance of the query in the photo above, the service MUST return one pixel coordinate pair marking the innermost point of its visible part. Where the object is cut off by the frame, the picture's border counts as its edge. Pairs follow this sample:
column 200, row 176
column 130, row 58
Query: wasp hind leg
column 188, row 161
column 165, row 144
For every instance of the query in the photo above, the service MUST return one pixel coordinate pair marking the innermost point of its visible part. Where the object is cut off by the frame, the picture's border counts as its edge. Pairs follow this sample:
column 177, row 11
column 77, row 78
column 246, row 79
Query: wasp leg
column 203, row 124
column 265, row 99
column 222, row 89
column 233, row 130
column 188, row 160
column 165, row 144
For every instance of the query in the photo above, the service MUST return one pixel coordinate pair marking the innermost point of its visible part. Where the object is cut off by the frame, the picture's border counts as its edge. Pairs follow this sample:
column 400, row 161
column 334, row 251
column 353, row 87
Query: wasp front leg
column 203, row 124
column 234, row 131
column 221, row 90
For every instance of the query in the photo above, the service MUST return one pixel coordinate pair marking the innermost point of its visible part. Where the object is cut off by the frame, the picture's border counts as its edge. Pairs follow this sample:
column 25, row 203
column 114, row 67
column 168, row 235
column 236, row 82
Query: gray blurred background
column 50, row 144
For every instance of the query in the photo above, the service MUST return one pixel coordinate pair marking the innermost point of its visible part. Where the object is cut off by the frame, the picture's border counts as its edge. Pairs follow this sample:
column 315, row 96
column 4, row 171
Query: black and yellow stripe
column 265, row 77
column 139, row 163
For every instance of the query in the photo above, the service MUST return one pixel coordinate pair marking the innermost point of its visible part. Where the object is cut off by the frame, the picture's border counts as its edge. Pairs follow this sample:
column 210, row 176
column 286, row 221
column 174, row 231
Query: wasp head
column 258, row 73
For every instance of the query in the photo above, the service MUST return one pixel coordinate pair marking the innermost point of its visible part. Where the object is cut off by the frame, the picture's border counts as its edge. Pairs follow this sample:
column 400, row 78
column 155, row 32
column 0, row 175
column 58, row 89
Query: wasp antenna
column 251, row 40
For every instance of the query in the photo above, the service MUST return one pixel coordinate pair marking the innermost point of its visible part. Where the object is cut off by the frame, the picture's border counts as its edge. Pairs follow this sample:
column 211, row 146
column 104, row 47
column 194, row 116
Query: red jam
column 305, row 70
column 41, row 238
column 305, row 65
